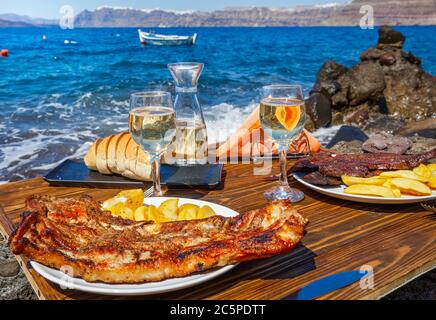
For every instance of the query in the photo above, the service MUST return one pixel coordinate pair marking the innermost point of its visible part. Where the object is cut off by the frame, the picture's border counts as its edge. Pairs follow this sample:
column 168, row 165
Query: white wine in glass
column 149, row 127
column 282, row 116
column 152, row 125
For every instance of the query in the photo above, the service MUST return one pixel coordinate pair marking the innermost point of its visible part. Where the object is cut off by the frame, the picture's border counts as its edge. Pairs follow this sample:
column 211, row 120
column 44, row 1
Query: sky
column 50, row 8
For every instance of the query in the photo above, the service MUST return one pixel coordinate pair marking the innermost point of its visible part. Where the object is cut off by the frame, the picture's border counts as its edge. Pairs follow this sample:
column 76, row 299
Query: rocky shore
column 13, row 283
column 388, row 91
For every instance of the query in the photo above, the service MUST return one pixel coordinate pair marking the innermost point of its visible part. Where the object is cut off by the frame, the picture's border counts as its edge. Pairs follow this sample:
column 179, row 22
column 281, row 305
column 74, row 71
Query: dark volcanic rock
column 318, row 107
column 354, row 146
column 386, row 143
column 419, row 145
column 408, row 56
column 13, row 283
column 383, row 123
column 371, row 54
column 385, row 91
column 327, row 77
column 364, row 81
column 411, row 94
column 425, row 128
column 387, row 59
column 390, row 37
column 358, row 117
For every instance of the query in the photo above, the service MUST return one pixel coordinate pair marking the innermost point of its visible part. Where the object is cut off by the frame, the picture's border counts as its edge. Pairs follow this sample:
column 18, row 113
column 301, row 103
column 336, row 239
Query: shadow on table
column 285, row 266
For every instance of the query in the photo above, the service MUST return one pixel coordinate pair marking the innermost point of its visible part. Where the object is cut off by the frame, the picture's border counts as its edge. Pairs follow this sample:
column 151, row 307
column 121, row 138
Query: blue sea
column 56, row 98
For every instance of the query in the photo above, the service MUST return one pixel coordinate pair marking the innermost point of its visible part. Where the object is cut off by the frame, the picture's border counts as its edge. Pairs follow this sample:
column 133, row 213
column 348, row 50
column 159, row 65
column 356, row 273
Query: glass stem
column 283, row 179
column 155, row 174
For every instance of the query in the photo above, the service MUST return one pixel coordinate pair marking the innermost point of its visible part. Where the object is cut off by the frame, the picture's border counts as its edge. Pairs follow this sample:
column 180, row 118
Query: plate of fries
column 389, row 187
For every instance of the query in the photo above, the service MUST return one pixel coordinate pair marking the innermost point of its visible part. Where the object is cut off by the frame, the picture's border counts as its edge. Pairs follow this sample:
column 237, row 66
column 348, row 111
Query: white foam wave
column 324, row 135
column 224, row 119
column 25, row 152
column 79, row 153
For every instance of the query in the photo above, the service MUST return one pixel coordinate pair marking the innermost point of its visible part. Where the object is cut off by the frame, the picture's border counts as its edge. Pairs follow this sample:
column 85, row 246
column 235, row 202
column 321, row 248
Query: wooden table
column 398, row 241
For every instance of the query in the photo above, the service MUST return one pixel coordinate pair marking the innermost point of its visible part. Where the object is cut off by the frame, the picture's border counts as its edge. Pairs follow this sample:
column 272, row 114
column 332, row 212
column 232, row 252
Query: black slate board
column 76, row 173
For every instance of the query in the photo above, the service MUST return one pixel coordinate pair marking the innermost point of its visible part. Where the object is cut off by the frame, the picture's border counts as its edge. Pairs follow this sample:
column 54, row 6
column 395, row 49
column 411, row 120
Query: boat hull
column 166, row 40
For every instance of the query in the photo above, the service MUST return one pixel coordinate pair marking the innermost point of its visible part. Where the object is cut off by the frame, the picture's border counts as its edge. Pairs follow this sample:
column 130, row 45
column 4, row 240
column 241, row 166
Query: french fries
column 432, row 181
column 406, row 174
column 432, row 167
column 422, row 171
column 128, row 204
column 392, row 184
column 370, row 190
column 411, row 187
column 349, row 180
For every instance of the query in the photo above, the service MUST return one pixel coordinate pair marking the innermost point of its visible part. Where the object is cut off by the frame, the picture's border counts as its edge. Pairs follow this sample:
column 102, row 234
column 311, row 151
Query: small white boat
column 166, row 40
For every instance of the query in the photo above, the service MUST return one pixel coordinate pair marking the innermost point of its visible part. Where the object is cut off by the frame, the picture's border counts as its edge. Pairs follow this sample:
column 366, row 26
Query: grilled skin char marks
column 100, row 247
column 360, row 165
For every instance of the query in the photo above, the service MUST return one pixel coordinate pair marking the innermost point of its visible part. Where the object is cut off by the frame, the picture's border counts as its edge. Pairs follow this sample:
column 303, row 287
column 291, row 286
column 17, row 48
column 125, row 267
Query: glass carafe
column 190, row 143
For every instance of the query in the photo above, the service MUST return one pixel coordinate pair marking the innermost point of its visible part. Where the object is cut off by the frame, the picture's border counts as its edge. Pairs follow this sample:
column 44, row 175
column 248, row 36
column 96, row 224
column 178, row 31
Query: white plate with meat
column 67, row 282
column 76, row 245
column 338, row 192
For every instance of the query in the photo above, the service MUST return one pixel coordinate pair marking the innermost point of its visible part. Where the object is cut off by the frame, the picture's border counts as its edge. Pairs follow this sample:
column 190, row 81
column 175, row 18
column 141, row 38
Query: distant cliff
column 14, row 24
column 11, row 20
column 390, row 12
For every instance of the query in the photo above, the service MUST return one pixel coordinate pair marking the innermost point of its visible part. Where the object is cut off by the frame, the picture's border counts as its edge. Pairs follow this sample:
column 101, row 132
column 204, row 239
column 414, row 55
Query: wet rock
column 386, row 143
column 358, row 117
column 9, row 268
column 13, row 283
column 371, row 54
column 309, row 125
column 383, row 123
column 318, row 107
column 408, row 56
column 387, row 81
column 411, row 95
column 425, row 128
column 365, row 81
column 339, row 100
column 354, row 146
column 421, row 144
column 337, row 118
column 418, row 145
column 422, row 288
column 387, row 59
column 388, row 37
column 327, row 77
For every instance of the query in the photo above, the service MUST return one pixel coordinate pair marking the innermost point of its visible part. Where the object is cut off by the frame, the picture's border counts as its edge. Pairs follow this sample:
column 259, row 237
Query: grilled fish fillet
column 101, row 248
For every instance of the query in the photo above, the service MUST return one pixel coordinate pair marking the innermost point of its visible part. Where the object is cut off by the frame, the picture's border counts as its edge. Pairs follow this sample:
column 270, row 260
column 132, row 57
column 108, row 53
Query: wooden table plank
column 397, row 241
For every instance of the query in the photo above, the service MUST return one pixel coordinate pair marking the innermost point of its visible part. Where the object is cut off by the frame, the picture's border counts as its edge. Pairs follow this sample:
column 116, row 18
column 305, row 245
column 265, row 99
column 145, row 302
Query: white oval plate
column 68, row 282
column 338, row 192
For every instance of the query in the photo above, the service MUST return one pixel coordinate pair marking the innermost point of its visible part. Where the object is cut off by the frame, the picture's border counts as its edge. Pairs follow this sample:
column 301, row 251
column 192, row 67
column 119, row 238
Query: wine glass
column 152, row 125
column 282, row 115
